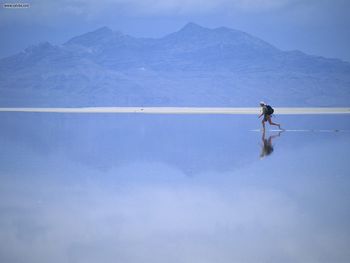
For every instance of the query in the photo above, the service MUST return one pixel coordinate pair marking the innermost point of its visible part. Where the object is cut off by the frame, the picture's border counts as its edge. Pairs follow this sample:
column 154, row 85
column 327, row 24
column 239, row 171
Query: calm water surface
column 173, row 188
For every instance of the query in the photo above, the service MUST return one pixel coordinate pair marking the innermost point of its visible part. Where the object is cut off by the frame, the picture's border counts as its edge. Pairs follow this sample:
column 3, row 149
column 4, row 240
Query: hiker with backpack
column 267, row 111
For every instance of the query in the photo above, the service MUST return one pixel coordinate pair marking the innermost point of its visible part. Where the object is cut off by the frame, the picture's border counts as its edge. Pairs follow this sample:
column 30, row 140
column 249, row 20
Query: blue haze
column 315, row 27
column 174, row 188
column 194, row 66
column 131, row 188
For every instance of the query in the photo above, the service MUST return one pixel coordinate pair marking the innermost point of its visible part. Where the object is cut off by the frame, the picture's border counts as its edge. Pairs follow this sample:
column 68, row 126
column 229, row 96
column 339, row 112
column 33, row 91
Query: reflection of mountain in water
column 190, row 144
column 195, row 66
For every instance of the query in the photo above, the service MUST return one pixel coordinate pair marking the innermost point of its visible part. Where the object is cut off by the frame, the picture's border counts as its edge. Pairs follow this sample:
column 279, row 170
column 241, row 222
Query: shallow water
column 173, row 188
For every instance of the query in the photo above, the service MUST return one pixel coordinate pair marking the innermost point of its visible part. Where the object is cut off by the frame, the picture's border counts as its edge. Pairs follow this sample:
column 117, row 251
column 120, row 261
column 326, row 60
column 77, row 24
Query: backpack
column 270, row 110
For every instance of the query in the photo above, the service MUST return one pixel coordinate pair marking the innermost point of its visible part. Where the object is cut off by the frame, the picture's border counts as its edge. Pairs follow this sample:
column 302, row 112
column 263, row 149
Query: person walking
column 267, row 111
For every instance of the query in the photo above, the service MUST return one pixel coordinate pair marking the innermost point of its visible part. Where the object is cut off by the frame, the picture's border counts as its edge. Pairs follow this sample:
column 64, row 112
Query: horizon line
column 181, row 110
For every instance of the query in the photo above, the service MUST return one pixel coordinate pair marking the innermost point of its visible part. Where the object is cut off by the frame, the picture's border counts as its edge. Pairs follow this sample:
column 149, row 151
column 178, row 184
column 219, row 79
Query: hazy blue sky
column 320, row 27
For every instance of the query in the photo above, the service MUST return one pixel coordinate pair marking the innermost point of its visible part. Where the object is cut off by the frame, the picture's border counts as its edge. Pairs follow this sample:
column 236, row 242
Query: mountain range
column 195, row 66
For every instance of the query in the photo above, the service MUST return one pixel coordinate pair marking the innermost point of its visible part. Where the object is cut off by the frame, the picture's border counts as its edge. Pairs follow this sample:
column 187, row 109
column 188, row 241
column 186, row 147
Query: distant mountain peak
column 192, row 27
column 194, row 66
column 93, row 37
column 188, row 31
column 103, row 30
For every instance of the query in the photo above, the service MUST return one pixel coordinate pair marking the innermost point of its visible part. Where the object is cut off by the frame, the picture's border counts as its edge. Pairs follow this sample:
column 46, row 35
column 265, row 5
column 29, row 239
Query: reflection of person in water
column 267, row 147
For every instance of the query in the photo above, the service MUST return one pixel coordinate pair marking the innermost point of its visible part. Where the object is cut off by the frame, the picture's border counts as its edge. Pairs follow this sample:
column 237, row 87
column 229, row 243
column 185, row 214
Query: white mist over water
column 176, row 189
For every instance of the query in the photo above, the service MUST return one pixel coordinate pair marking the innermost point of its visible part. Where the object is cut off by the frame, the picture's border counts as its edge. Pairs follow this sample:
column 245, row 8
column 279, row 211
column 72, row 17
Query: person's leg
column 272, row 123
column 263, row 124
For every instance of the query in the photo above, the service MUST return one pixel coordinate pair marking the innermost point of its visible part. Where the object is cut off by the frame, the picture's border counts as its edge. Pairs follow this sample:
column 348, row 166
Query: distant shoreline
column 182, row 110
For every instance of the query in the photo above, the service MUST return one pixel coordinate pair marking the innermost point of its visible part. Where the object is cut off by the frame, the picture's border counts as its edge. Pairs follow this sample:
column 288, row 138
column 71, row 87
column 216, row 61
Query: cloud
column 91, row 9
column 161, row 7
column 194, row 223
